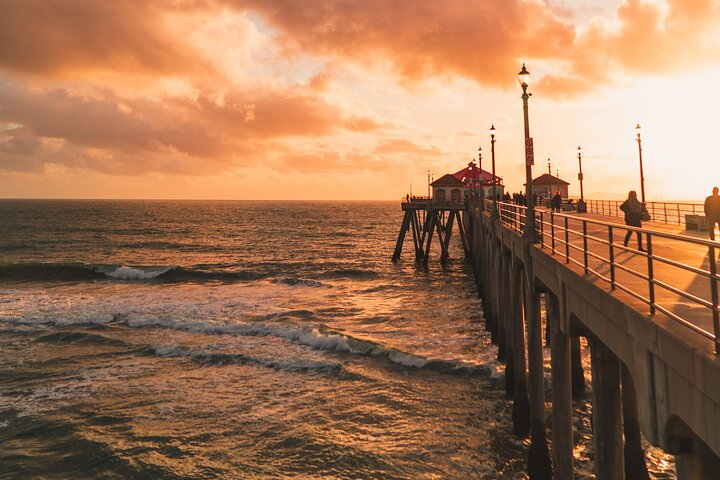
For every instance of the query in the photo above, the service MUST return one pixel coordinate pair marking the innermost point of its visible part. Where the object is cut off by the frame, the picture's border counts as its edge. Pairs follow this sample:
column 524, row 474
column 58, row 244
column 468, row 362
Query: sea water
column 193, row 340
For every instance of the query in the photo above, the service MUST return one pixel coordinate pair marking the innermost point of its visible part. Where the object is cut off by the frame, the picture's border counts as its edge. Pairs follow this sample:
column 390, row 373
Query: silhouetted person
column 712, row 211
column 633, row 217
column 556, row 202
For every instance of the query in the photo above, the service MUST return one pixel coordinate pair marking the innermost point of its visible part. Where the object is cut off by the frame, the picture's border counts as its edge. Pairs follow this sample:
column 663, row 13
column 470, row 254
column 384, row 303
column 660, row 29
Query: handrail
column 665, row 212
column 594, row 246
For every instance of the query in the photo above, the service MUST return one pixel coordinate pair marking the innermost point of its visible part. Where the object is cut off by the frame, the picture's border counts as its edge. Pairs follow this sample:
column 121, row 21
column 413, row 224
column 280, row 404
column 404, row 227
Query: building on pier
column 546, row 185
column 478, row 182
column 447, row 189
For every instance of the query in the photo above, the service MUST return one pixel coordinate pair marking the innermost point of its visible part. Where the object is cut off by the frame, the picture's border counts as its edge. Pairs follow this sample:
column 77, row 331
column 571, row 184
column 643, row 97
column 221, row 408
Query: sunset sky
column 321, row 99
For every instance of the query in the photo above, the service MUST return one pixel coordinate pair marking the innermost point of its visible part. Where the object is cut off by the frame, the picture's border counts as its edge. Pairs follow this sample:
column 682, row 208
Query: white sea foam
column 135, row 273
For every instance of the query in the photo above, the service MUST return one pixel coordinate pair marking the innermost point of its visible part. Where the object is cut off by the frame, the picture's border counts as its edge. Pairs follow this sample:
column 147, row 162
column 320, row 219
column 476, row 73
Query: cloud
column 642, row 38
column 64, row 37
column 479, row 40
column 404, row 146
column 140, row 132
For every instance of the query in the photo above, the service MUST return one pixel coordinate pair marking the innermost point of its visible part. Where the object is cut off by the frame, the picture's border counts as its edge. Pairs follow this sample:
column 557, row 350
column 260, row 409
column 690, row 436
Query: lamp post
column 581, row 207
column 494, row 179
column 428, row 184
column 479, row 179
column 642, row 177
column 529, row 231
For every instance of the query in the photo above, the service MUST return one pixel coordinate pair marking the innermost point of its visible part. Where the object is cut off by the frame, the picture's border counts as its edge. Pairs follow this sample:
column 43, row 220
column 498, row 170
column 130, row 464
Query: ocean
column 258, row 340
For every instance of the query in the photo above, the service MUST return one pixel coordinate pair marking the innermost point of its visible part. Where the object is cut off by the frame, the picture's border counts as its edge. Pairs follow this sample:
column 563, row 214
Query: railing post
column 552, row 231
column 678, row 210
column 714, row 295
column 542, row 230
column 665, row 210
column 651, row 277
column 567, row 242
column 612, row 257
column 585, row 249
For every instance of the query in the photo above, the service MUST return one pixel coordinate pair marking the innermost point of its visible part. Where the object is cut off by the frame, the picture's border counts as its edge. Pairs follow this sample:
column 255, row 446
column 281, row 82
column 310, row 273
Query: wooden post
column 499, row 323
column 507, row 320
column 606, row 412
column 635, row 467
column 463, row 237
column 578, row 374
column 448, row 233
column 401, row 236
column 539, row 465
column 562, row 426
column 415, row 232
column 521, row 403
column 429, row 227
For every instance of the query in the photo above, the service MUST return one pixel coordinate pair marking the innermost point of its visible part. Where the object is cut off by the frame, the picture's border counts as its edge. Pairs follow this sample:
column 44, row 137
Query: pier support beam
column 499, row 323
column 634, row 454
column 521, row 403
column 539, row 465
column 562, row 426
column 697, row 462
column 401, row 237
column 606, row 412
column 507, row 319
column 578, row 374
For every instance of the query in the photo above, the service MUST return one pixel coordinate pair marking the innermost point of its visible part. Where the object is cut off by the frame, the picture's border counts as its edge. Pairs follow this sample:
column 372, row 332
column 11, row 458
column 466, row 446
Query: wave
column 74, row 337
column 292, row 281
column 219, row 358
column 318, row 337
column 350, row 273
column 29, row 272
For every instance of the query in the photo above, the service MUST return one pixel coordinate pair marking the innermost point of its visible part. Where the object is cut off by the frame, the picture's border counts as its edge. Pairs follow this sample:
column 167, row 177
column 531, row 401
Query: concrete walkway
column 665, row 252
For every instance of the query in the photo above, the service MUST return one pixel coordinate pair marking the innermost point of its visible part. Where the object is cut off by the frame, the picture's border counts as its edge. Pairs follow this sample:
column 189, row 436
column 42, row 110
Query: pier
column 651, row 321
column 422, row 218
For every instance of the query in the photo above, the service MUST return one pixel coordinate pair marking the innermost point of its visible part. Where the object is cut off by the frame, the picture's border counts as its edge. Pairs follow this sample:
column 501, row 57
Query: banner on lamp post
column 529, row 154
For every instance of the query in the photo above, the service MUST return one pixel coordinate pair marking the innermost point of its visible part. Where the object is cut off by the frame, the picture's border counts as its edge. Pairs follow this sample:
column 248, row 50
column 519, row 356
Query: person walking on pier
column 556, row 202
column 712, row 211
column 633, row 217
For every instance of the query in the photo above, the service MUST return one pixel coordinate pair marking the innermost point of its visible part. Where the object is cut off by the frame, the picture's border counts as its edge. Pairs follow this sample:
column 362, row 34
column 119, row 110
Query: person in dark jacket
column 633, row 217
column 712, row 211
column 556, row 202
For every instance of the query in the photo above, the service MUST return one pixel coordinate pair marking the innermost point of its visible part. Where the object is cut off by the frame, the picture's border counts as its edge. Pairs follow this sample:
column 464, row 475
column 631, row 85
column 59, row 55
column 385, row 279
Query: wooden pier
column 425, row 217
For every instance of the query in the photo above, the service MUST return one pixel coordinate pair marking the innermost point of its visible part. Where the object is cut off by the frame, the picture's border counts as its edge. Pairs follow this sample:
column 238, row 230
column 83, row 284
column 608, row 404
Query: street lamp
column 479, row 179
column 529, row 231
column 494, row 180
column 642, row 177
column 581, row 208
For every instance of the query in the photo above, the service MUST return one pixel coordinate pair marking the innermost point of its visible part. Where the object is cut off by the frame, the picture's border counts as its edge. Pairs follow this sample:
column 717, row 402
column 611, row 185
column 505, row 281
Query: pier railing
column 674, row 275
column 666, row 212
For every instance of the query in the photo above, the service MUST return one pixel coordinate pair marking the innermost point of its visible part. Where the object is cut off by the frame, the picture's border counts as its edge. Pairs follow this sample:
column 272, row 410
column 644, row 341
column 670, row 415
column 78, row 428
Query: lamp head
column 492, row 131
column 524, row 77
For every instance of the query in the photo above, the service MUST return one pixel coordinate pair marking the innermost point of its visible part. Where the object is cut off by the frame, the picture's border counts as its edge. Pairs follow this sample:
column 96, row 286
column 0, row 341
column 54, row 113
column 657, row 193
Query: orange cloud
column 61, row 37
column 130, row 131
column 478, row 40
column 404, row 146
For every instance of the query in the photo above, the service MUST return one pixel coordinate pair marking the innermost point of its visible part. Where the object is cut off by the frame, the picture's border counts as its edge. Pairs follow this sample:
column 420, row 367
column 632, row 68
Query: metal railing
column 666, row 212
column 667, row 285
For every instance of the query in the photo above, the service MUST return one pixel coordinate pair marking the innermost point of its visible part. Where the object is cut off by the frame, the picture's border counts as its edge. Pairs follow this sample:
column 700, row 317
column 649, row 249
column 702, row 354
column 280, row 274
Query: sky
column 353, row 100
